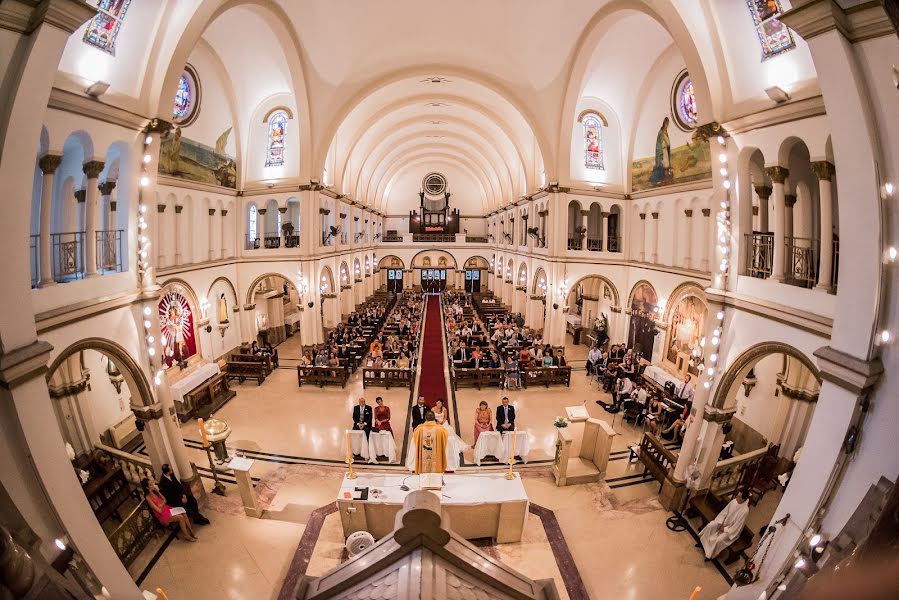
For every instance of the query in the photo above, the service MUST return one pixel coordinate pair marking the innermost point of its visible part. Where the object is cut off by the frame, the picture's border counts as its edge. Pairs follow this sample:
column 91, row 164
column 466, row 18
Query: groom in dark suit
column 362, row 417
column 418, row 412
column 505, row 416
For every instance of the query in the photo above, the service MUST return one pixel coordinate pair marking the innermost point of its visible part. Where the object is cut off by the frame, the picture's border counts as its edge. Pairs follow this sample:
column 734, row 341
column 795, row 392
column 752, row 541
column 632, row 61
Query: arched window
column 683, row 102
column 103, row 29
column 251, row 222
column 592, row 142
column 277, row 130
column 774, row 37
column 186, row 104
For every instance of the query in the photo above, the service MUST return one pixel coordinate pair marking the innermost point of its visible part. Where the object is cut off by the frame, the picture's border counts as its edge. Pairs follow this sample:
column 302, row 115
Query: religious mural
column 187, row 159
column 641, row 335
column 670, row 166
column 176, row 323
column 684, row 332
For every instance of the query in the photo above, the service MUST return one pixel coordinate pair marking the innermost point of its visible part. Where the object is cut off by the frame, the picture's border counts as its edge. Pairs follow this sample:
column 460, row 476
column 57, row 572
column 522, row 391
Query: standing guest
column 178, row 494
column 419, row 411
column 685, row 390
column 505, row 416
column 382, row 416
column 164, row 513
column 482, row 420
column 362, row 417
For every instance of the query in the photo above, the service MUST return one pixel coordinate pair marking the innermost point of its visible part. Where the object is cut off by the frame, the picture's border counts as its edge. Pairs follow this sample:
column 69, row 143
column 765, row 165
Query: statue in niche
column 223, row 309
column 662, row 173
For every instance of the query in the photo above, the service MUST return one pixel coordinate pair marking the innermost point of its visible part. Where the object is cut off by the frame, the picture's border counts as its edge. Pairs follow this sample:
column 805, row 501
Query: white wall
column 107, row 406
column 759, row 410
column 467, row 194
column 656, row 105
column 215, row 107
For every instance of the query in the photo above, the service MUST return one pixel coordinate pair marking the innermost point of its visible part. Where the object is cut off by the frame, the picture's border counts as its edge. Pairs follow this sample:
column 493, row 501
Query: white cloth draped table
column 490, row 443
column 358, row 443
column 661, row 376
column 381, row 443
column 193, row 379
column 522, row 445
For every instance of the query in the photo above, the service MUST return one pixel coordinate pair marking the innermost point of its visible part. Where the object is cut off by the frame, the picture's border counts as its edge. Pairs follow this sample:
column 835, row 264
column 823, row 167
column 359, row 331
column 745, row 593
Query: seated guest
column 654, row 410
column 178, row 494
column 492, row 360
column 524, row 357
column 439, row 412
column 403, row 361
column 482, row 420
column 362, row 417
column 166, row 514
column 513, row 376
column 505, row 416
column 623, row 390
column 680, row 426
column 306, row 359
column 419, row 411
column 321, row 359
column 559, row 360
column 548, row 358
column 382, row 416
column 376, row 347
column 461, row 354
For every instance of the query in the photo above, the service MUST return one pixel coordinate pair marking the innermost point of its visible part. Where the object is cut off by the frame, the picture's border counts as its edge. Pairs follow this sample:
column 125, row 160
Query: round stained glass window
column 187, row 98
column 683, row 102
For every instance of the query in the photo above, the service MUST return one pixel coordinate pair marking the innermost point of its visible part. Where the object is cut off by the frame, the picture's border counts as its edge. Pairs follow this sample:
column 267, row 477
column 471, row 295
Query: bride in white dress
column 454, row 444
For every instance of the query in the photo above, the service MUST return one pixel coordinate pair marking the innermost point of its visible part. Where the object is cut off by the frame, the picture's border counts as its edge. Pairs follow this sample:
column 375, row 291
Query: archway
column 276, row 309
column 590, row 302
column 685, row 314
column 391, row 269
column 476, row 269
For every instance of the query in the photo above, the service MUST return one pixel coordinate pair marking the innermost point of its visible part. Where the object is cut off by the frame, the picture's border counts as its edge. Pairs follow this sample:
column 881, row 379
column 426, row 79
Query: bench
column 322, row 376
column 263, row 359
column 241, row 371
column 478, row 377
column 657, row 460
column 707, row 506
column 387, row 377
column 546, row 376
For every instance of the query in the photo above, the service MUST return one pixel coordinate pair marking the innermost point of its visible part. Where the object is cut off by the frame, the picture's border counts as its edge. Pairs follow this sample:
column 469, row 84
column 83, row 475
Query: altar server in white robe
column 726, row 528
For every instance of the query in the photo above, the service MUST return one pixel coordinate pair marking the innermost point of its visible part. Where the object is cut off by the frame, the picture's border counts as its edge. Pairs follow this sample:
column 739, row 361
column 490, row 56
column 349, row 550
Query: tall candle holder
column 219, row 487
column 349, row 463
column 511, row 475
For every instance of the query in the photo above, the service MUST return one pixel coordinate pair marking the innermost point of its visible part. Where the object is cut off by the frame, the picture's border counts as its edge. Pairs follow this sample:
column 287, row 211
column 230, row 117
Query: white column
column 159, row 233
column 225, row 236
column 763, row 192
column 825, row 170
column 604, row 232
column 655, row 237
column 789, row 203
column 643, row 237
column 48, row 164
column 688, row 238
column 706, row 238
column 283, row 212
column 778, row 176
column 92, row 170
column 177, row 217
column 213, row 252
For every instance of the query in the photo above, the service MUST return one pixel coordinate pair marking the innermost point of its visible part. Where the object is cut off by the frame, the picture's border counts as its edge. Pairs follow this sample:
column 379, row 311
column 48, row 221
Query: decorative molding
column 49, row 163
column 777, row 174
column 68, row 389
column 80, row 196
column 92, row 108
column 848, row 372
column 792, row 110
column 26, row 17
column 148, row 413
column 93, row 168
column 789, row 200
column 160, row 208
column 655, row 216
column 24, row 364
column 248, row 307
column 705, row 184
column 106, row 187
column 856, row 24
column 642, row 216
column 170, row 181
column 823, row 170
column 713, row 414
column 261, row 211
column 224, row 213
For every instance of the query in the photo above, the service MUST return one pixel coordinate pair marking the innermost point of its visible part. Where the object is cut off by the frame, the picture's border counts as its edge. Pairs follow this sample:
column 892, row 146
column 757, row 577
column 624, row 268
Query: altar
column 483, row 505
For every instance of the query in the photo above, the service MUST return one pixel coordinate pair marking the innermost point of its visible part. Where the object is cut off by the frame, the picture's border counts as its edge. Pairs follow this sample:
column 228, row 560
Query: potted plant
column 560, row 422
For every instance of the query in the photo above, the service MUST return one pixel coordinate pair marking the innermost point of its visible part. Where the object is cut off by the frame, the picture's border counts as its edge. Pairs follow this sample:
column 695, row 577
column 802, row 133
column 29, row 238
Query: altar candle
column 349, row 455
column 161, row 594
column 512, row 433
column 203, row 432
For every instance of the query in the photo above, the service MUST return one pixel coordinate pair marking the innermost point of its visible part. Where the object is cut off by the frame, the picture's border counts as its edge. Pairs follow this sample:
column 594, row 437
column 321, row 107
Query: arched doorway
column 591, row 300
column 276, row 313
column 393, row 268
column 476, row 269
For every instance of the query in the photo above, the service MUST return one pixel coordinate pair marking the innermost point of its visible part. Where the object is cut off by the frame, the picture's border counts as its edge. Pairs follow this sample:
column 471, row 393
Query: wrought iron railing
column 291, row 241
column 575, row 243
column 613, row 243
column 109, row 250
column 272, row 239
column 344, row 238
column 759, row 254
column 392, row 237
column 34, row 251
column 68, row 255
column 327, row 240
column 594, row 244
column 433, row 237
column 801, row 267
column 252, row 243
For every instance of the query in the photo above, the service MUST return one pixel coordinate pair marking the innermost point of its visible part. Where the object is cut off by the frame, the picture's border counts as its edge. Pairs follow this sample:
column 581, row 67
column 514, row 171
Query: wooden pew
column 243, row 370
column 322, row 376
column 707, row 505
column 388, row 377
column 546, row 376
column 264, row 359
column 478, row 377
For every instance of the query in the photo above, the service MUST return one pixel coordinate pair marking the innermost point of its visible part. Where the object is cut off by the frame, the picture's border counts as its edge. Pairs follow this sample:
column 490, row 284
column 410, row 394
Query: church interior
column 398, row 299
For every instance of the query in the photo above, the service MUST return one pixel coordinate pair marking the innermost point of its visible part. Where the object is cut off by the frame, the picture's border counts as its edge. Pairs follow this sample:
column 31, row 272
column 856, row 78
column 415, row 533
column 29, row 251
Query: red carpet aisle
column 433, row 382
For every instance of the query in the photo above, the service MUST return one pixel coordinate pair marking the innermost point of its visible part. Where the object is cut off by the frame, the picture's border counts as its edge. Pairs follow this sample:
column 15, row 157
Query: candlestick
column 349, row 458
column 510, row 474
column 161, row 594
column 202, row 432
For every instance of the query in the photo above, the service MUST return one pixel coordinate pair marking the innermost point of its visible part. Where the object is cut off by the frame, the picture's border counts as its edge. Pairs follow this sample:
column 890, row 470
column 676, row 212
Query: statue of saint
column 429, row 441
column 223, row 310
column 662, row 172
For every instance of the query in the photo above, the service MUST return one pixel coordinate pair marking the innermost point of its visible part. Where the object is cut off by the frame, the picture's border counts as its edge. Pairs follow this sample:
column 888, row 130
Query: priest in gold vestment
column 429, row 440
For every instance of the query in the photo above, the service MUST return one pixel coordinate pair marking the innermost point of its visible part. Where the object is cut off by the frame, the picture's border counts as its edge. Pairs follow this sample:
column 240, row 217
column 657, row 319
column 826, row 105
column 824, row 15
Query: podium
column 589, row 466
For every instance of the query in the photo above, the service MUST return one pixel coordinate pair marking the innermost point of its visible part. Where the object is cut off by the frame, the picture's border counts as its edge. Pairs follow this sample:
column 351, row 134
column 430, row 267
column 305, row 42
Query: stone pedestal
column 241, row 467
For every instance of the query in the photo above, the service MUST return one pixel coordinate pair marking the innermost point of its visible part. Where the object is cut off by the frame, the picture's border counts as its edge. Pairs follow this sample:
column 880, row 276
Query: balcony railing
column 433, row 237
column 802, row 261
column 392, row 237
column 575, row 243
column 109, row 250
column 272, row 239
column 759, row 254
column 252, row 243
column 613, row 243
column 476, row 239
column 594, row 245
column 68, row 255
column 291, row 241
column 34, row 250
column 327, row 240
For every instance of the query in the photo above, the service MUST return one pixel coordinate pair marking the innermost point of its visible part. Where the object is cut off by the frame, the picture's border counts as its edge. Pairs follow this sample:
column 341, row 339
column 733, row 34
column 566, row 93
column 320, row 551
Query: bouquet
column 560, row 422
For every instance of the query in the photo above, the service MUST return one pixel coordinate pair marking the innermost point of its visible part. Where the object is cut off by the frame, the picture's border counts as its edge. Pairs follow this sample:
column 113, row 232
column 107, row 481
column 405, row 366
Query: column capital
column 160, row 208
column 261, row 211
column 763, row 191
column 282, row 209
column 714, row 414
column 789, row 200
column 706, row 212
column 224, row 213
column 823, row 169
column 211, row 212
column 585, row 213
column 49, row 163
column 643, row 216
column 160, row 126
column 655, row 216
column 24, row 364
column 80, row 195
column 777, row 174
column 605, row 215
column 178, row 209
column 848, row 372
column 106, row 187
column 688, row 212
column 92, row 168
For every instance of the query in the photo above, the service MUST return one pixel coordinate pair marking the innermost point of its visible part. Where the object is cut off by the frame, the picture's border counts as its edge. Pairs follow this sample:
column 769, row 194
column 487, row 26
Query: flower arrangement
column 560, row 422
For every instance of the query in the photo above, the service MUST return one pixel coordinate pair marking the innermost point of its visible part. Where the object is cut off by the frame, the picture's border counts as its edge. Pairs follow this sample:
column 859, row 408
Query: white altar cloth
column 291, row 318
column 660, row 375
column 381, row 443
column 358, row 443
column 480, row 488
column 193, row 379
column 490, row 443
column 522, row 445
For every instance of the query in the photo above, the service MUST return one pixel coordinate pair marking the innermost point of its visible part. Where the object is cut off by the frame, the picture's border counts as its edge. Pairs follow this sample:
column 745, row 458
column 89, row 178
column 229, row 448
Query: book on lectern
column 430, row 481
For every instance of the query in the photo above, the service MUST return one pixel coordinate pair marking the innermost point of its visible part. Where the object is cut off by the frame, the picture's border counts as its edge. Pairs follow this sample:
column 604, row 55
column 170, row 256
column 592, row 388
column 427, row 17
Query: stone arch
column 684, row 290
column 227, row 281
column 616, row 299
column 357, row 268
column 630, row 297
column 344, row 273
column 450, row 254
column 390, row 257
column 479, row 262
column 741, row 365
column 522, row 278
column 251, row 291
column 128, row 367
column 536, row 290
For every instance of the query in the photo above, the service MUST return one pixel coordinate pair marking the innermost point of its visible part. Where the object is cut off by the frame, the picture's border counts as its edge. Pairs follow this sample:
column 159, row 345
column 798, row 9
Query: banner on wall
column 176, row 322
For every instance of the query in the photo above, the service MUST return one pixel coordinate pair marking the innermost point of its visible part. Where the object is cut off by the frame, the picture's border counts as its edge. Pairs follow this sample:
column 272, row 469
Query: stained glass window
column 592, row 142
column 182, row 98
column 186, row 103
column 103, row 29
column 774, row 37
column 686, row 102
column 277, row 130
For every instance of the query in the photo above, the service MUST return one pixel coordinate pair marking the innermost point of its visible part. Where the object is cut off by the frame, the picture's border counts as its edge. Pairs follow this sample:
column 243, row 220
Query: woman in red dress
column 382, row 416
column 165, row 513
